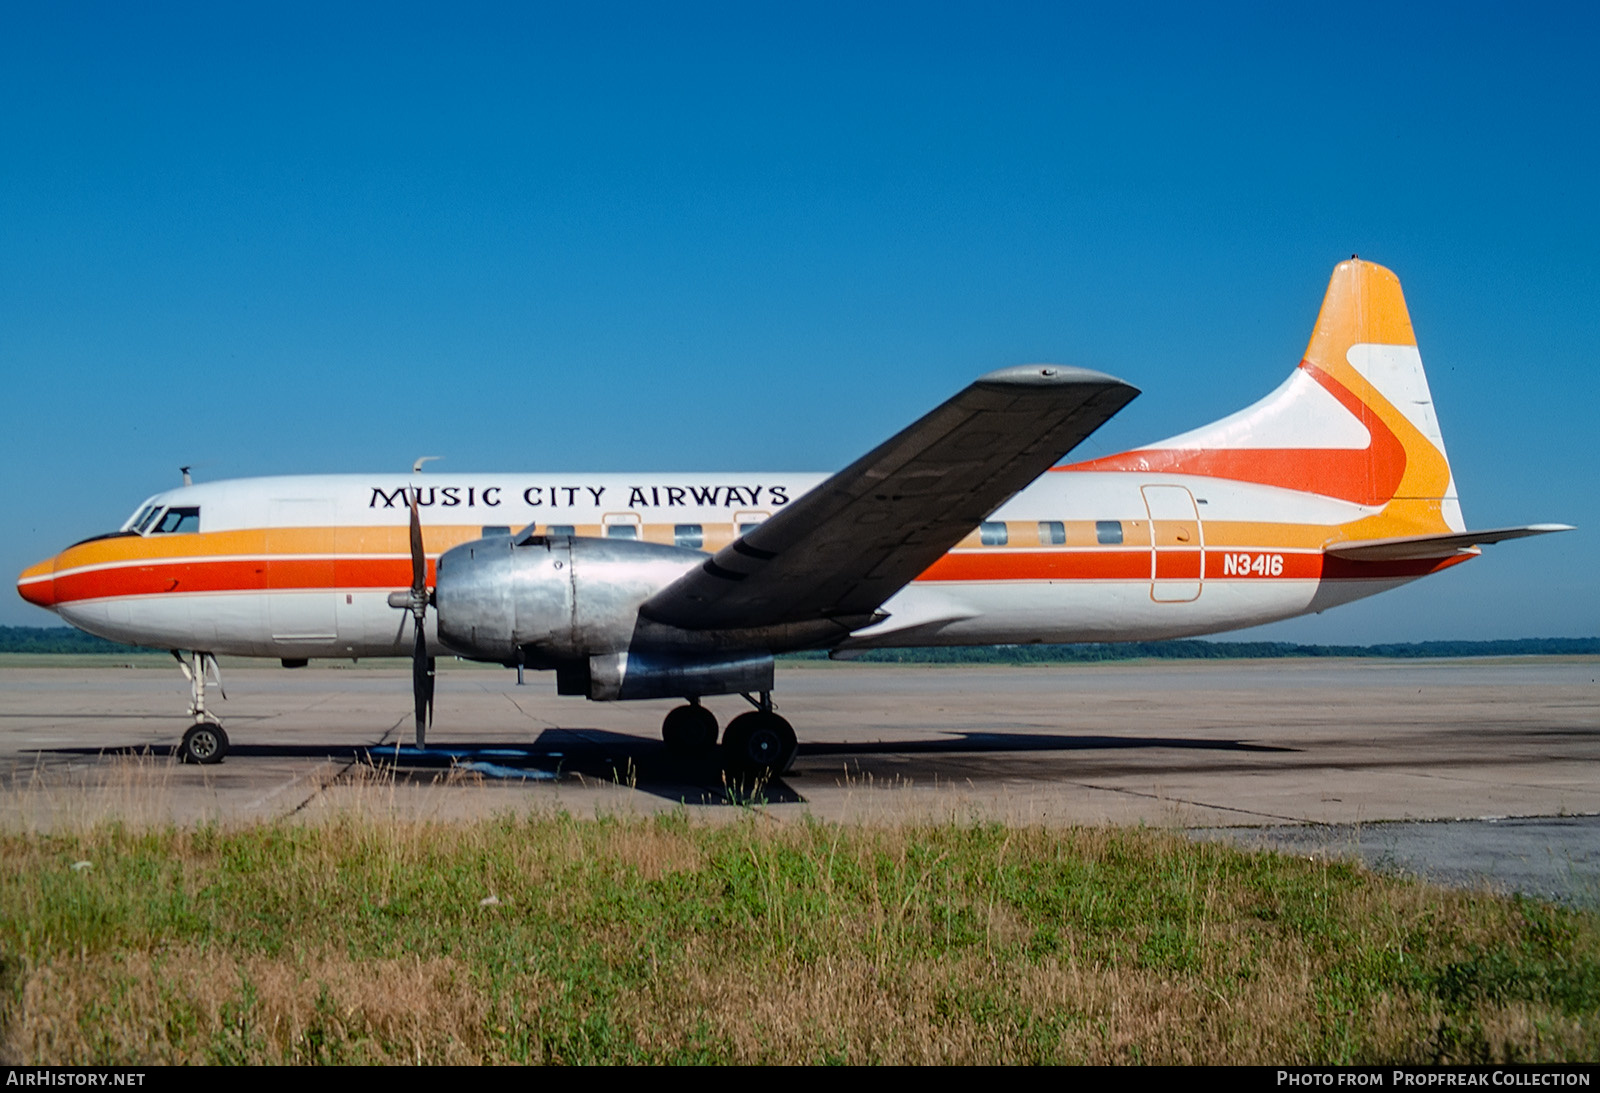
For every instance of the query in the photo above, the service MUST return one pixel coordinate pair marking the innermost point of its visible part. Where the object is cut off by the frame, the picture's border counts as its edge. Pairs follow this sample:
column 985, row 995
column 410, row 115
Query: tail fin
column 1364, row 351
column 1355, row 420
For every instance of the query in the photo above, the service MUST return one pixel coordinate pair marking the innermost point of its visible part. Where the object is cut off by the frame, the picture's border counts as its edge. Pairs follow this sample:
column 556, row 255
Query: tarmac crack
column 545, row 722
column 1201, row 804
column 322, row 784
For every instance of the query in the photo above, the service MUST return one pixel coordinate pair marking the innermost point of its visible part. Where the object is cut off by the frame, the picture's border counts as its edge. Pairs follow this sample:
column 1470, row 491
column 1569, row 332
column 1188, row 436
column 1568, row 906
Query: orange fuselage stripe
column 151, row 577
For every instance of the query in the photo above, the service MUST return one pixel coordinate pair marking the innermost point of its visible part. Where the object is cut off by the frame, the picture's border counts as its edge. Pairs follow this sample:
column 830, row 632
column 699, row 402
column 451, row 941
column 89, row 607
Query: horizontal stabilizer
column 1434, row 546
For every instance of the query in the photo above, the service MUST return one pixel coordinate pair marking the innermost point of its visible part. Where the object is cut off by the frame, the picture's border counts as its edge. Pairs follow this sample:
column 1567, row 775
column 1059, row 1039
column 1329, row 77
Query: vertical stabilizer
column 1355, row 421
column 1364, row 344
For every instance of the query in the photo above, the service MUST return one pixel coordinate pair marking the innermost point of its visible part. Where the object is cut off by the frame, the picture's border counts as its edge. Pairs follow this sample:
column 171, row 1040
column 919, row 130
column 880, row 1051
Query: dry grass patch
column 550, row 939
column 184, row 1005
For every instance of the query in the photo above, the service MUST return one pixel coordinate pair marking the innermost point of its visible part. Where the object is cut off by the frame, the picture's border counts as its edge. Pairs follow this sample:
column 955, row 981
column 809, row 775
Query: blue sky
column 297, row 239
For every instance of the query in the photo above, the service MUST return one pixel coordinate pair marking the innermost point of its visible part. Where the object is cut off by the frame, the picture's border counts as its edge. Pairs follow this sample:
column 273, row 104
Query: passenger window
column 1052, row 532
column 622, row 531
column 491, row 530
column 747, row 528
column 992, row 533
column 560, row 529
column 1108, row 532
column 176, row 521
column 692, row 536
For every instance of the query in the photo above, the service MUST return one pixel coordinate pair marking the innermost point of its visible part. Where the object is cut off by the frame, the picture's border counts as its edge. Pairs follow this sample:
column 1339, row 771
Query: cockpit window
column 177, row 521
column 146, row 518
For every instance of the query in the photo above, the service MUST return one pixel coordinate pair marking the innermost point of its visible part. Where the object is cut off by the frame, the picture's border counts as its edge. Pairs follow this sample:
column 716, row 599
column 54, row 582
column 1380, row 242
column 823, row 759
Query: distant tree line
column 1213, row 650
column 62, row 639
column 57, row 639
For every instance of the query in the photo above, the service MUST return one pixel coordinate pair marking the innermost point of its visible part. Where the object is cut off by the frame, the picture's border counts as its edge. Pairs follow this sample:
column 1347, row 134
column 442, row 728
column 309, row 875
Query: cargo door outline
column 1177, row 544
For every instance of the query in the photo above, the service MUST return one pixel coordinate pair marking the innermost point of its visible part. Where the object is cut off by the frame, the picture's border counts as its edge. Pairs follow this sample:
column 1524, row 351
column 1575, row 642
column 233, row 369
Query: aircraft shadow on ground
column 601, row 757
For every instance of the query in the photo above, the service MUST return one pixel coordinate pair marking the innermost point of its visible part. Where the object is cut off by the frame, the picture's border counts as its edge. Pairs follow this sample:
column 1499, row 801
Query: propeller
column 415, row 600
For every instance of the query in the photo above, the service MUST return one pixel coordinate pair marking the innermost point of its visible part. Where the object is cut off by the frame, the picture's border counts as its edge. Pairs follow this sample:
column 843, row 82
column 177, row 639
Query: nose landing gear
column 205, row 742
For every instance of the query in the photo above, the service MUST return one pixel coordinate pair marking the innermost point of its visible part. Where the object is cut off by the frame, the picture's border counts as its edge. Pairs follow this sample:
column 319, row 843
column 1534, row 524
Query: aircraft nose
column 37, row 584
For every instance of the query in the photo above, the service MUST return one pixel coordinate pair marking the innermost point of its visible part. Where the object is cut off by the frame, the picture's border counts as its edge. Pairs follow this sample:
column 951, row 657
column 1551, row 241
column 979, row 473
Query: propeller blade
column 422, row 685
column 433, row 674
column 419, row 560
column 422, row 666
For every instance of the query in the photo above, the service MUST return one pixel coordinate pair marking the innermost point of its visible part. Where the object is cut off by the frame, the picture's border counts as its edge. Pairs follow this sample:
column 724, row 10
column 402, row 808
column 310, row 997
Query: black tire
column 204, row 744
column 690, row 731
column 758, row 745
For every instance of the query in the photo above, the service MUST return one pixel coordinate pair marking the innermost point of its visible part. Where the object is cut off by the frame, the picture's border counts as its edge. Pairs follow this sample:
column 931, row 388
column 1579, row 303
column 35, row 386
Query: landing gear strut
column 690, row 731
column 205, row 742
column 759, row 744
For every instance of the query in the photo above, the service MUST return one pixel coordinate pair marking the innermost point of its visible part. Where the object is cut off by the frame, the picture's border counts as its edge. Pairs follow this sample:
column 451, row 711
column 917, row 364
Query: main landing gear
column 690, row 731
column 205, row 742
column 756, row 744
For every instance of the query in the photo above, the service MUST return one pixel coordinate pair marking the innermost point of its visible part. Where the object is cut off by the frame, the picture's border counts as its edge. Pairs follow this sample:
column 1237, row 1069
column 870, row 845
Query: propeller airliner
column 962, row 529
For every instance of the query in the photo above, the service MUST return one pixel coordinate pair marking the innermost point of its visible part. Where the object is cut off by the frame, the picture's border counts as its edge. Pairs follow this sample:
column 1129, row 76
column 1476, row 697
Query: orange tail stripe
column 1366, row 476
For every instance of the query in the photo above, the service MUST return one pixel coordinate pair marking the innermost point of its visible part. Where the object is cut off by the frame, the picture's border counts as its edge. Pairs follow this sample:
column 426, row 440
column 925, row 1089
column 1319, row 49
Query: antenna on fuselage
column 187, row 481
column 416, row 468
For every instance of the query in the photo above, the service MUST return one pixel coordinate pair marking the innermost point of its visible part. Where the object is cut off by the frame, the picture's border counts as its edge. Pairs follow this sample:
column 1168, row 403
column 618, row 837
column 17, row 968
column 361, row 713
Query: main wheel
column 758, row 744
column 690, row 731
column 204, row 743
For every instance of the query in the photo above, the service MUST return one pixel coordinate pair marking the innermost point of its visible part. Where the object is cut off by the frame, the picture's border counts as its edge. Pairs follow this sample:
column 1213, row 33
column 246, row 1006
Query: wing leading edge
column 845, row 547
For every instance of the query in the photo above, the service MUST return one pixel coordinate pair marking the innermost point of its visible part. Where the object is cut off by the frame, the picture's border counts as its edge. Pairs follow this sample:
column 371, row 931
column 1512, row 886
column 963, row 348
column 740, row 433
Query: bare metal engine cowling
column 573, row 604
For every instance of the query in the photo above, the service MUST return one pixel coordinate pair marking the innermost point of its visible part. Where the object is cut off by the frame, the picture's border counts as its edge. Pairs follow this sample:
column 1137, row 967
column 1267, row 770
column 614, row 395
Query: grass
column 551, row 939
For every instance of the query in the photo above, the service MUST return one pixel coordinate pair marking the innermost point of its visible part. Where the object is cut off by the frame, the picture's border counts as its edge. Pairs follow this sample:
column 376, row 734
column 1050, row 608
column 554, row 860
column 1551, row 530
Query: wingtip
column 1049, row 375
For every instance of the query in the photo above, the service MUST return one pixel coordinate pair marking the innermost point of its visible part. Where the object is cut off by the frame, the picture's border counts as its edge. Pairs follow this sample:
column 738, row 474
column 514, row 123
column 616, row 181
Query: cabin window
column 177, row 521
column 992, row 533
column 692, row 536
column 491, row 530
column 1052, row 532
column 1108, row 532
column 560, row 529
column 747, row 526
column 622, row 531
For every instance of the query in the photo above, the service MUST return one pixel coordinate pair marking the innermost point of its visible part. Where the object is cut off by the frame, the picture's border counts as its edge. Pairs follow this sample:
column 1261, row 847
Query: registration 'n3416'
column 1252, row 565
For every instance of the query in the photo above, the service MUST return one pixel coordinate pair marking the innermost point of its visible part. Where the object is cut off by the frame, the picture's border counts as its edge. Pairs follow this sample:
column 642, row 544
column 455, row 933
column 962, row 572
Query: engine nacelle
column 573, row 604
column 555, row 597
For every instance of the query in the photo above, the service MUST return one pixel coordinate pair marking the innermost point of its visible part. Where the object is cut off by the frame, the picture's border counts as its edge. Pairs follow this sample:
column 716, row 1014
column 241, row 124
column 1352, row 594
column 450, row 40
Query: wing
column 1434, row 546
column 852, row 542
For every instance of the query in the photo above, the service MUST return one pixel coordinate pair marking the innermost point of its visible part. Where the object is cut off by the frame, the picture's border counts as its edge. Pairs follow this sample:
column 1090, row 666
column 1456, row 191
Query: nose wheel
column 204, row 743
